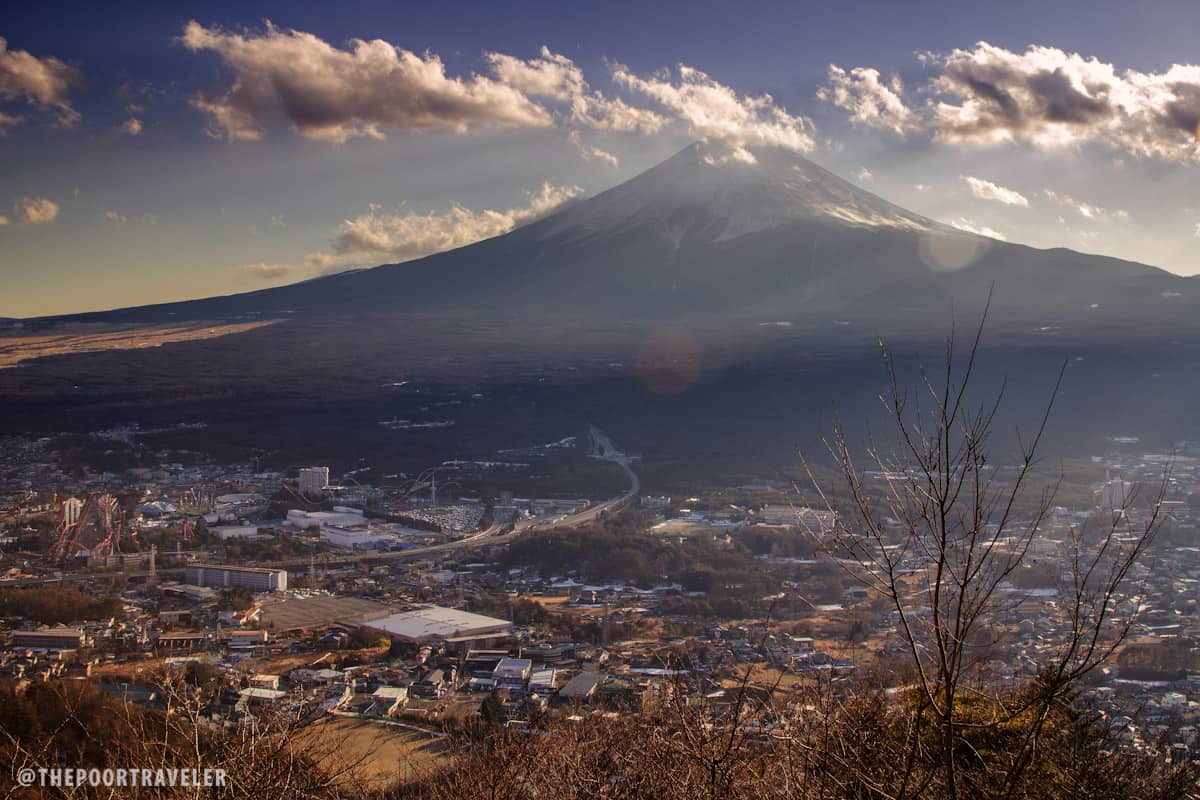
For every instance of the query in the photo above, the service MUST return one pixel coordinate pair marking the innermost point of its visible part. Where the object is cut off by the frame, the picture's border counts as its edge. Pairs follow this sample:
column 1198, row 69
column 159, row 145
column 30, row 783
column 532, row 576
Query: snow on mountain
column 693, row 194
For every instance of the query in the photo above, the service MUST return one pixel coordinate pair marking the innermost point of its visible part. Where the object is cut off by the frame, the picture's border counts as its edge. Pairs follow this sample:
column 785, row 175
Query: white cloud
column 554, row 76
column 361, row 90
column 969, row 226
column 1045, row 97
column 1087, row 210
column 267, row 271
column 35, row 210
column 592, row 153
column 336, row 94
column 115, row 216
column 548, row 75
column 864, row 174
column 381, row 236
column 986, row 190
column 870, row 100
column 922, row 187
column 404, row 236
column 613, row 114
column 44, row 82
column 131, row 126
column 715, row 113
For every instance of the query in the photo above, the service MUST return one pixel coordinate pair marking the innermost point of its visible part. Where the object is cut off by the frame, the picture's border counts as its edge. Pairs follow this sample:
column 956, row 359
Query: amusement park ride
column 95, row 532
column 96, row 529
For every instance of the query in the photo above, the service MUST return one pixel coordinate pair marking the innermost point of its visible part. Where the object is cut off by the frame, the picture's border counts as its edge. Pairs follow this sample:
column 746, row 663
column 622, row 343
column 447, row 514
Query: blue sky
column 216, row 189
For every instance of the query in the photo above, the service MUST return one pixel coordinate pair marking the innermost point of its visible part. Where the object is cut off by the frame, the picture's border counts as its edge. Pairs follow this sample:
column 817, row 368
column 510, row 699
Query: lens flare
column 669, row 362
column 950, row 251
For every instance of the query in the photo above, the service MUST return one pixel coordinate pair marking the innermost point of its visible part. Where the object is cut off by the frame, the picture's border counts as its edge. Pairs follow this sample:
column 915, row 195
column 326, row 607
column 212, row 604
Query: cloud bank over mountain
column 1044, row 97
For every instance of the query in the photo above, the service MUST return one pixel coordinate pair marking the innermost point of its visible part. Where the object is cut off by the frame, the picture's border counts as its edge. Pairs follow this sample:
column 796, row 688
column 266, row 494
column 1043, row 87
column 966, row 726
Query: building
column 49, row 639
column 180, row 642
column 157, row 508
column 811, row 519
column 437, row 623
column 255, row 695
column 313, row 481
column 512, row 673
column 389, row 699
column 248, row 532
column 242, row 640
column 197, row 594
column 341, row 516
column 320, row 612
column 256, row 579
column 230, row 507
column 541, row 507
column 431, row 686
column 543, row 681
column 362, row 538
column 265, row 681
column 582, row 687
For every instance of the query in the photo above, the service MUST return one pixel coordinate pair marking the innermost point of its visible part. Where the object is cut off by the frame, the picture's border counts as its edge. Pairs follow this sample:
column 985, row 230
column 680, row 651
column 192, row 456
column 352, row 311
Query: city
column 409, row 607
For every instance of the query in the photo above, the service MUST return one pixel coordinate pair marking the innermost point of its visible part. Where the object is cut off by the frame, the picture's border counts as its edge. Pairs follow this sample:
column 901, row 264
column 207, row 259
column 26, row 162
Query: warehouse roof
column 437, row 622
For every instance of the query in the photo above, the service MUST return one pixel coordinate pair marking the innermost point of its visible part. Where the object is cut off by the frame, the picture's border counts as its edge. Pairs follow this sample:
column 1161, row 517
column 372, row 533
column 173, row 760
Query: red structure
column 97, row 532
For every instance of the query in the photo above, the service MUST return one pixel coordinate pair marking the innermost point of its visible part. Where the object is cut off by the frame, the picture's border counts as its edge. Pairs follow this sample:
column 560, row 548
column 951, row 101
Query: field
column 82, row 338
column 375, row 754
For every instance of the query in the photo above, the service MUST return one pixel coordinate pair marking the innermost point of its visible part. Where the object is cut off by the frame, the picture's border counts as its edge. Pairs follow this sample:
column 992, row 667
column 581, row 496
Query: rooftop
column 437, row 622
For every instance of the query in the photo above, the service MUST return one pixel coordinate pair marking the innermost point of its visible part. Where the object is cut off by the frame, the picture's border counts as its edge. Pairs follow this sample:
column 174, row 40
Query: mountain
column 706, row 314
column 778, row 240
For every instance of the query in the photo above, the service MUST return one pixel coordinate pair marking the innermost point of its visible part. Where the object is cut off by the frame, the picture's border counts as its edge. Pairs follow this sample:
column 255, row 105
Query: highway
column 497, row 533
column 607, row 451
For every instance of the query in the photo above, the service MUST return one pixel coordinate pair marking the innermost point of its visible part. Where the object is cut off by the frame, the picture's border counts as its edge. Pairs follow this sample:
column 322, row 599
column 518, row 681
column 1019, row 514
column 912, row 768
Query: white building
column 363, row 538
column 512, row 673
column 313, row 481
column 435, row 622
column 226, row 532
column 254, row 578
column 341, row 516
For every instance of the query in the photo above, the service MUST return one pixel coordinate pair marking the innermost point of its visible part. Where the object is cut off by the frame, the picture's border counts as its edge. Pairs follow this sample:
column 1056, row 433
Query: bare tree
column 937, row 528
column 274, row 754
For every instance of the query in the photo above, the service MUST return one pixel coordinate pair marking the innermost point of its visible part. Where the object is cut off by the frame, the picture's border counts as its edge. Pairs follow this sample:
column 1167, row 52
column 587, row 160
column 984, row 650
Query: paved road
column 605, row 450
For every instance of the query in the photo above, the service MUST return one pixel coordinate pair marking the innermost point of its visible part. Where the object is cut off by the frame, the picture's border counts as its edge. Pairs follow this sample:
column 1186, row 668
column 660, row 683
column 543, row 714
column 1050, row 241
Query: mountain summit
column 695, row 195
